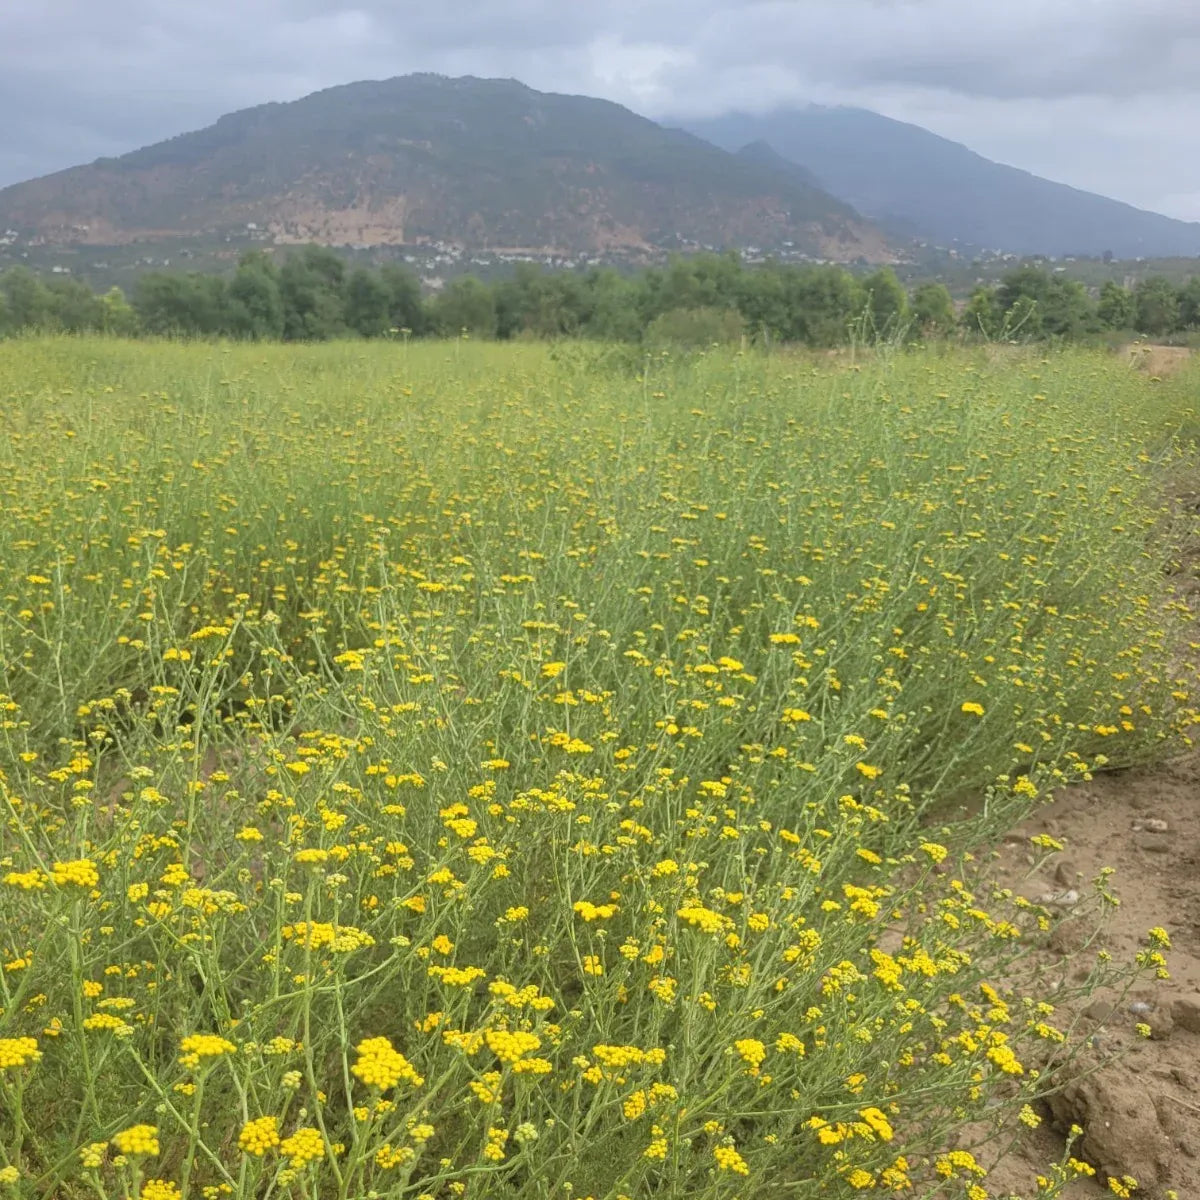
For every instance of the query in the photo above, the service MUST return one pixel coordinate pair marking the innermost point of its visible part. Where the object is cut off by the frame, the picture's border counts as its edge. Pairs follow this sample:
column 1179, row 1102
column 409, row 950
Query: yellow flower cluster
column 458, row 977
column 705, row 919
column 728, row 1159
column 628, row 1056
column 198, row 1046
column 160, row 1189
column 29, row 881
column 511, row 1045
column 752, row 1052
column 76, row 872
column 302, row 1147
column 92, row 1156
column 259, row 1136
column 109, row 1022
column 18, row 1052
column 381, row 1065
column 389, row 1156
column 319, row 935
column 137, row 1139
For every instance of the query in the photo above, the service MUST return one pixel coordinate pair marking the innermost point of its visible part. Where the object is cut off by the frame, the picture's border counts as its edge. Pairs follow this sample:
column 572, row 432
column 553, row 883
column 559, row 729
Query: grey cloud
column 1023, row 48
column 1024, row 81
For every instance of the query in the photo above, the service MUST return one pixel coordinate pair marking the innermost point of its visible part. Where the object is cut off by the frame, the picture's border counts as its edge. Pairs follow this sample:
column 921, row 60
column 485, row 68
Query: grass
column 469, row 771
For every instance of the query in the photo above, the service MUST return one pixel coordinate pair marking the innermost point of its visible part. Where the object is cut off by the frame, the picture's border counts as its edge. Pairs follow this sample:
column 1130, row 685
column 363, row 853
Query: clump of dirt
column 1140, row 1115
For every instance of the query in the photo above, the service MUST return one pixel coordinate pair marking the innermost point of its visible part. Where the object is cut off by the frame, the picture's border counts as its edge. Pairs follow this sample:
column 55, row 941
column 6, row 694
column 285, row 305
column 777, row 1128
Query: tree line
column 314, row 295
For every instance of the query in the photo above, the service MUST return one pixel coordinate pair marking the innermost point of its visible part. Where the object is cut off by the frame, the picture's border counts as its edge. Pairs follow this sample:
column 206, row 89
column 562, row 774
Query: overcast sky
column 1103, row 94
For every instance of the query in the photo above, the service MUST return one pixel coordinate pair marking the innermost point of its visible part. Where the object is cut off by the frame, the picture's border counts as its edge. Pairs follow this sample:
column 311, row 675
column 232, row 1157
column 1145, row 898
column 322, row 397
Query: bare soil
column 1162, row 361
column 1141, row 1114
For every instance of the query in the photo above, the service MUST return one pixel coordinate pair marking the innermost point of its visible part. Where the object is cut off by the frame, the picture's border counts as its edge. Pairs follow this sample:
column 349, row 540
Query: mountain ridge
column 915, row 183
column 423, row 159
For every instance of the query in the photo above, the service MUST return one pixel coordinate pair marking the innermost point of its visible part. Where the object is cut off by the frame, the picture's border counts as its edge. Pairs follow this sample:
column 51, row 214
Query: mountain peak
column 427, row 159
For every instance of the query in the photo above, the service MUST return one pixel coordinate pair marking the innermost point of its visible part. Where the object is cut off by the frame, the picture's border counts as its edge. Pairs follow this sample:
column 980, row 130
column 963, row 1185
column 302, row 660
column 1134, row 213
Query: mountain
column 917, row 184
column 763, row 154
column 423, row 159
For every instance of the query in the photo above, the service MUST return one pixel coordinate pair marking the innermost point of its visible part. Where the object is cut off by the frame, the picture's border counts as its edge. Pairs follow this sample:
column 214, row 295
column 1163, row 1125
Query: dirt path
column 1141, row 1116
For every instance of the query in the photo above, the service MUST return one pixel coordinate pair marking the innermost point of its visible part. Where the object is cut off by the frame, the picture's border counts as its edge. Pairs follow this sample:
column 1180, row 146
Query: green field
column 460, row 770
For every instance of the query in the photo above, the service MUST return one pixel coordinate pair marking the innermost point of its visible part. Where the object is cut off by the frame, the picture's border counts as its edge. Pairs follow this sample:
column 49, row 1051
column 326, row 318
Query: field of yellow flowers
column 459, row 771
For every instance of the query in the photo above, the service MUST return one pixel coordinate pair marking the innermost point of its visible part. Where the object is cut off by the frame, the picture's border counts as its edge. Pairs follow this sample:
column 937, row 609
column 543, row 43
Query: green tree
column 465, row 304
column 118, row 317
column 368, row 304
column 1189, row 304
column 541, row 303
column 762, row 300
column 211, row 304
column 701, row 281
column 983, row 315
column 311, row 286
column 255, row 299
column 405, row 307
column 72, row 307
column 1067, row 310
column 933, row 310
column 563, row 307
column 1026, row 282
column 1157, row 306
column 611, row 306
column 1117, row 308
column 28, row 300
column 819, row 305
column 163, row 304
column 1037, row 304
column 887, row 303
column 182, row 305
column 1021, row 296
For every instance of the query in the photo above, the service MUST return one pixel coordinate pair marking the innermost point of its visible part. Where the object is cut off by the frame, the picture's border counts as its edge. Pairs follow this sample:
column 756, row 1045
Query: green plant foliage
column 313, row 297
column 477, row 770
